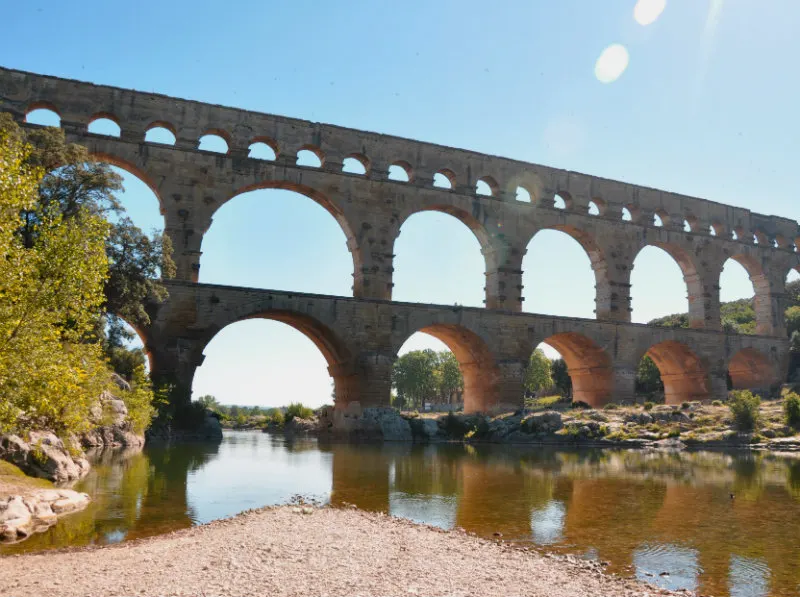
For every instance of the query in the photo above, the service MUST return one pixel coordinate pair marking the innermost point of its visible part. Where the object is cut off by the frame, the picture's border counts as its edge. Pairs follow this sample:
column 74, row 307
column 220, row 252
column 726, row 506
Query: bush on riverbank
column 298, row 410
column 791, row 410
column 744, row 406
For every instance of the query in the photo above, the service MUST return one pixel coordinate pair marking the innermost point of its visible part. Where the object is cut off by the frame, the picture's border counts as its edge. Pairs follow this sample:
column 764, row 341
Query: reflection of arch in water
column 361, row 476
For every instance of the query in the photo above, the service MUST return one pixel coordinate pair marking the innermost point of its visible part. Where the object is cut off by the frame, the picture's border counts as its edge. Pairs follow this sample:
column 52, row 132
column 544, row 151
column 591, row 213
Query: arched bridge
column 371, row 183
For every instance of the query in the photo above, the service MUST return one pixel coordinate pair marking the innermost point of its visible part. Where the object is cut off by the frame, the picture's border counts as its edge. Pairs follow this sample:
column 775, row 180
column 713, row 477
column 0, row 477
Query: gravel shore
column 320, row 551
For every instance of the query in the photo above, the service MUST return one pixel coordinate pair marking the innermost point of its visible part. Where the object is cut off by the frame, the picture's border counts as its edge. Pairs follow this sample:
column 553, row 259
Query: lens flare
column 647, row 11
column 611, row 64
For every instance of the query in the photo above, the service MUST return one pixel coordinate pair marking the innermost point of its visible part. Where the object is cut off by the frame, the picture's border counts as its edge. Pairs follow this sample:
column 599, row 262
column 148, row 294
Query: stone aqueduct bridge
column 360, row 336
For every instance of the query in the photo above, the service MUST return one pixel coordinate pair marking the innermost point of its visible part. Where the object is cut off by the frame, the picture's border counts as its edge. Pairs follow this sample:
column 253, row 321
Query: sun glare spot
column 611, row 64
column 647, row 11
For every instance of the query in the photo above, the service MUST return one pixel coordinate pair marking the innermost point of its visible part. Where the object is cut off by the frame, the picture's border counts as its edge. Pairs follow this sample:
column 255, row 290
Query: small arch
column 355, row 164
column 161, row 132
column 760, row 238
column 597, row 207
column 215, row 141
column 716, row 229
column 562, row 201
column 683, row 373
column 43, row 114
column 263, row 149
column 104, row 123
column 660, row 218
column 310, row 156
column 444, row 179
column 475, row 359
column 626, row 215
column 486, row 186
column 751, row 370
column 400, row 172
column 690, row 224
column 588, row 366
column 524, row 195
column 736, row 233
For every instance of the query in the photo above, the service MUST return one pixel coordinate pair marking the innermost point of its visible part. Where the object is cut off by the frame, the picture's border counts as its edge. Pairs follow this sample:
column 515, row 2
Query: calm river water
column 666, row 518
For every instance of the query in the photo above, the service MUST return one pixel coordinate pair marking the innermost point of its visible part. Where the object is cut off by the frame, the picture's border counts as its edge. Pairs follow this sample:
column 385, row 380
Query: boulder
column 376, row 423
column 21, row 516
column 639, row 418
column 43, row 455
column 301, row 426
column 545, row 422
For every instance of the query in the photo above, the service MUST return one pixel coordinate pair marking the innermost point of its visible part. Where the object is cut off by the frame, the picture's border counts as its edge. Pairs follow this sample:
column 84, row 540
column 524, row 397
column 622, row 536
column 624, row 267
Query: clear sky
column 707, row 106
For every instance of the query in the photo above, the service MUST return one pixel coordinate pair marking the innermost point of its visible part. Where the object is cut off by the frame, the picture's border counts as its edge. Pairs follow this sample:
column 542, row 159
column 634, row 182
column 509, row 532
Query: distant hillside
column 739, row 316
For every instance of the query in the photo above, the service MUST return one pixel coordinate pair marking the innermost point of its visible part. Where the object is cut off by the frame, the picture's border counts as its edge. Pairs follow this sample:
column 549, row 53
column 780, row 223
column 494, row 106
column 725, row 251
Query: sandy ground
column 281, row 551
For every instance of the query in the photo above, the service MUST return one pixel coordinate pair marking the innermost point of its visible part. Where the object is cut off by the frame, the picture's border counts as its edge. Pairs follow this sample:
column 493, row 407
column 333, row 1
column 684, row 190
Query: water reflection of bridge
column 617, row 504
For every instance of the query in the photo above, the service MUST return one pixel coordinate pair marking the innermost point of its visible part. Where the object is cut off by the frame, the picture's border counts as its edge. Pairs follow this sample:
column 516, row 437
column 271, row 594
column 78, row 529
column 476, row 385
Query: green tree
column 447, row 374
column 209, row 401
column 648, row 377
column 561, row 378
column 51, row 293
column 538, row 375
column 413, row 377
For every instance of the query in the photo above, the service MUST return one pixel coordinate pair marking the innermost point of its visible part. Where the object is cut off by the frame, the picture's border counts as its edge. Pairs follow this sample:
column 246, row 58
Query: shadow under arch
column 332, row 347
column 750, row 369
column 476, row 361
column 683, row 373
column 588, row 365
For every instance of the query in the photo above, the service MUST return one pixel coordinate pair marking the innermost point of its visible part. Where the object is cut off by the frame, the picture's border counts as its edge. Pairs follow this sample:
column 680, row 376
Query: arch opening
column 429, row 347
column 597, row 207
column 626, row 215
column 560, row 201
column 277, row 218
column 125, row 346
column 444, row 179
column 400, row 172
column 104, row 125
column 738, row 295
column 262, row 360
column 213, row 142
column 587, row 365
column 161, row 134
column 659, row 286
column 310, row 156
column 683, row 374
column 438, row 258
column 524, row 195
column 750, row 369
column 487, row 187
column 547, row 378
column 560, row 269
column 261, row 150
column 44, row 115
column 355, row 164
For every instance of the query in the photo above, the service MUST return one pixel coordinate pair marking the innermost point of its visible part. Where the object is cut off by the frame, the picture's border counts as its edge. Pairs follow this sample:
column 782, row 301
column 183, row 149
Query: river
column 718, row 523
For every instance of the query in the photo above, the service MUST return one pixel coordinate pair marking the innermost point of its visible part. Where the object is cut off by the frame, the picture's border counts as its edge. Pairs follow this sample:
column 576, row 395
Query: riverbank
column 29, row 505
column 311, row 551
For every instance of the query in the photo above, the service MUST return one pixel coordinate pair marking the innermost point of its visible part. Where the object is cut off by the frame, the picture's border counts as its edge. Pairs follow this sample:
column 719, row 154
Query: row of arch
column 685, row 375
column 265, row 148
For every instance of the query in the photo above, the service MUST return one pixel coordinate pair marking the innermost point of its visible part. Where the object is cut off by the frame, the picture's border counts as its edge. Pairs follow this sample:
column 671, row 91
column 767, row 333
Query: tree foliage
column 538, row 375
column 51, row 294
column 423, row 376
column 648, row 377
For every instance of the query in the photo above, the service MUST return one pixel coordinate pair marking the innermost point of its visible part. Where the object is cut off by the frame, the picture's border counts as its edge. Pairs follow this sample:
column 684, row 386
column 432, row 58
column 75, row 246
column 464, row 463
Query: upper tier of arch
column 79, row 103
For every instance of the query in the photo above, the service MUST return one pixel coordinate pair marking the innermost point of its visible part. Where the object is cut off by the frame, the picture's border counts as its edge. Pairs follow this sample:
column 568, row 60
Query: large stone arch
column 131, row 168
column 353, row 237
column 769, row 318
column 333, row 348
column 750, row 369
column 684, row 374
column 596, row 257
column 589, row 366
column 476, row 361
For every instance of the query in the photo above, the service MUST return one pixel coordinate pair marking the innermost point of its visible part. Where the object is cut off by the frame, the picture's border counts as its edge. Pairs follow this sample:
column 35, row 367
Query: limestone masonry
column 360, row 336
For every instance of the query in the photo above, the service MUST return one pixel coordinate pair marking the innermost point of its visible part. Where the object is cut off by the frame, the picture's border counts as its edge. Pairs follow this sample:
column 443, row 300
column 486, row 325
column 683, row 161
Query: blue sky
column 707, row 106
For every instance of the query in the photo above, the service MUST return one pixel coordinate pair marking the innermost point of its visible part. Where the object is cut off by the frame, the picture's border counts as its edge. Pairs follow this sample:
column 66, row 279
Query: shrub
column 716, row 403
column 275, row 419
column 648, row 405
column 685, row 406
column 743, row 405
column 611, row 406
column 296, row 409
column 580, row 404
column 791, row 410
column 674, row 433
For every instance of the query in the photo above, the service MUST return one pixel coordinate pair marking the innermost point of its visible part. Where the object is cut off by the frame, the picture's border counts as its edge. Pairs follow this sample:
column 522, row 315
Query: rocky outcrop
column 113, row 428
column 43, row 455
column 372, row 423
column 21, row 516
column 298, row 426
